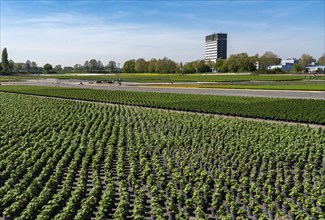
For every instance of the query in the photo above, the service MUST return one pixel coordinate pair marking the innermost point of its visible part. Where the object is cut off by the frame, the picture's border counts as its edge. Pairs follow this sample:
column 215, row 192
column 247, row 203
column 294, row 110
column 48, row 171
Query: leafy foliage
column 62, row 159
column 311, row 111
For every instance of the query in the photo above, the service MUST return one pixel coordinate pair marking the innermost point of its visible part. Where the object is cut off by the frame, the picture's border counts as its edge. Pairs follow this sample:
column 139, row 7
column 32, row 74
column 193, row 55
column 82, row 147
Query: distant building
column 216, row 47
column 286, row 64
column 315, row 69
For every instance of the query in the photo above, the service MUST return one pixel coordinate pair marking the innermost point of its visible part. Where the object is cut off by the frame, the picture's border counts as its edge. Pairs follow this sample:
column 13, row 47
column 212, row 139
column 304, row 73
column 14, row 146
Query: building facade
column 216, row 46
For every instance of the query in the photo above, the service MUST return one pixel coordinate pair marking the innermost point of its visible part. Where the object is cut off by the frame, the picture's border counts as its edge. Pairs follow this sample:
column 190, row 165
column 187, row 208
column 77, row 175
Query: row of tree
column 9, row 66
column 240, row 62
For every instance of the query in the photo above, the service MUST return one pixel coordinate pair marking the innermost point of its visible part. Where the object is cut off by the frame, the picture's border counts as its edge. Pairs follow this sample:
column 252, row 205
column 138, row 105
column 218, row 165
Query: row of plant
column 295, row 85
column 298, row 110
column 117, row 162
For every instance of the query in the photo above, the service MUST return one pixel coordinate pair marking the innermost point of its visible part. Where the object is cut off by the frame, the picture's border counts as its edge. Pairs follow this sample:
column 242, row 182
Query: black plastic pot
column 171, row 216
column 271, row 214
column 285, row 209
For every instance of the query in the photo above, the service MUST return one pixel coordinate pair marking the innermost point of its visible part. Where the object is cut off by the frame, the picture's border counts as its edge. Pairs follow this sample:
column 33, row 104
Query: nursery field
column 292, row 85
column 63, row 159
column 296, row 110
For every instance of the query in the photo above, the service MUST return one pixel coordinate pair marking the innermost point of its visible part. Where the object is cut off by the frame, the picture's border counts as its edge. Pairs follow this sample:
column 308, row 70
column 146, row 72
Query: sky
column 71, row 32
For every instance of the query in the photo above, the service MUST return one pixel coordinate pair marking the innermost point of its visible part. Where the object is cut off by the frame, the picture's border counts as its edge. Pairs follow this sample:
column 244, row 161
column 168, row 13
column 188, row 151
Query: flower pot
column 321, row 207
column 271, row 214
column 300, row 205
column 256, row 216
column 306, row 210
column 285, row 209
column 265, row 208
column 190, row 211
column 258, row 200
column 171, row 216
column 278, row 204
column 227, row 208
column 233, row 215
column 213, row 212
column 249, row 211
column 292, row 216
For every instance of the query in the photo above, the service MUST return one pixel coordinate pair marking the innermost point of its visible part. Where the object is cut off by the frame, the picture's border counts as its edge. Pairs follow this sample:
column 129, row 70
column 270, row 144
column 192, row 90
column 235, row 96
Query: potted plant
column 251, row 206
column 234, row 209
column 256, row 213
column 293, row 211
column 199, row 213
column 172, row 209
column 285, row 207
column 271, row 210
column 279, row 200
column 189, row 205
column 320, row 203
column 182, row 214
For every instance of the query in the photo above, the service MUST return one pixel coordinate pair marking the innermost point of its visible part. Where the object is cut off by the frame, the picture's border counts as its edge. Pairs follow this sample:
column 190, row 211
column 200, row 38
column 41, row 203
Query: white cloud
column 45, row 39
column 70, row 38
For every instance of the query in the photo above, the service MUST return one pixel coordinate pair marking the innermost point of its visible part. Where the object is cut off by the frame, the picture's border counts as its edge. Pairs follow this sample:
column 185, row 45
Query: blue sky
column 70, row 32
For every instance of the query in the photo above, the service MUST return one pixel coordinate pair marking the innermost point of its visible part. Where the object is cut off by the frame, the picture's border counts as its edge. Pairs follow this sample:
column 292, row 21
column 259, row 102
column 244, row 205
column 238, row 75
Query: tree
column 181, row 67
column 129, row 66
column 78, row 67
column 48, row 67
column 18, row 67
column 28, row 66
column 297, row 68
column 93, row 64
column 268, row 59
column 111, row 66
column 11, row 66
column 188, row 68
column 217, row 66
column 200, row 66
column 171, row 66
column 166, row 65
column 141, row 66
column 68, row 69
column 4, row 61
column 305, row 60
column 240, row 62
column 34, row 67
column 58, row 68
column 152, row 65
column 161, row 66
column 86, row 65
column 100, row 65
column 321, row 60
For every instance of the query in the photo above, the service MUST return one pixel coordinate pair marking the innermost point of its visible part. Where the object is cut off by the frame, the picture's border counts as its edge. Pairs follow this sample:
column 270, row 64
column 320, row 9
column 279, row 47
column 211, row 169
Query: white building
column 216, row 47
column 286, row 64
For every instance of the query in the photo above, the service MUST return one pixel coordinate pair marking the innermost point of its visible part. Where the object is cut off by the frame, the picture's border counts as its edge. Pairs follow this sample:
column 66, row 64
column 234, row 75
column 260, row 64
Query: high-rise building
column 216, row 46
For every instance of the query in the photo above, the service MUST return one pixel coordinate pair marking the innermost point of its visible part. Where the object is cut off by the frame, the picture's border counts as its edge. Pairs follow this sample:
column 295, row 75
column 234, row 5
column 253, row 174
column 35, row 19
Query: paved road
column 203, row 91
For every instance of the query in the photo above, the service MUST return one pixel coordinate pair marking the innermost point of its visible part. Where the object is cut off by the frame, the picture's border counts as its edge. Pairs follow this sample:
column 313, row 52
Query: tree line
column 240, row 62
